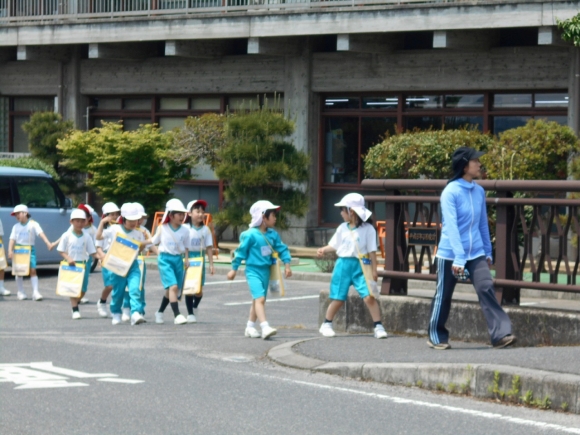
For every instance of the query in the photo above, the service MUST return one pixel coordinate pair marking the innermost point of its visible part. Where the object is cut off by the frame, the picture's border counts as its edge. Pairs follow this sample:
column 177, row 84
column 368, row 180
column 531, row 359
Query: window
column 38, row 192
column 5, row 193
column 14, row 112
column 424, row 101
column 341, row 150
column 342, row 103
column 512, row 101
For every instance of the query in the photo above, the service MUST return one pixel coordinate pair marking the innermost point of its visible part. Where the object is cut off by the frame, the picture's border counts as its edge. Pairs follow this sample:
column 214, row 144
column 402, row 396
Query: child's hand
column 211, row 269
column 10, row 254
column 320, row 252
column 287, row 271
column 71, row 262
column 231, row 275
column 375, row 275
column 51, row 246
column 186, row 264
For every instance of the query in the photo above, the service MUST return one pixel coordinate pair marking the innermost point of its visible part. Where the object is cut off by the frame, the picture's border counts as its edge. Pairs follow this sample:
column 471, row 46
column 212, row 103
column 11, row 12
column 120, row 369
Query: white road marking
column 50, row 384
column 48, row 367
column 532, row 303
column 224, row 282
column 297, row 298
column 394, row 399
column 121, row 381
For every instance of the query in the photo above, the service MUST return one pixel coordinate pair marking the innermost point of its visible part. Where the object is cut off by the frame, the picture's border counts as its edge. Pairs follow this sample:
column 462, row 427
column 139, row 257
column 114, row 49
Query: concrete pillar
column 72, row 104
column 574, row 90
column 300, row 104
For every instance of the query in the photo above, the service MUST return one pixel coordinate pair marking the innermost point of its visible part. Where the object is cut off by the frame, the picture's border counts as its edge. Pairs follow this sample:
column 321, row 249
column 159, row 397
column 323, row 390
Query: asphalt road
column 94, row 378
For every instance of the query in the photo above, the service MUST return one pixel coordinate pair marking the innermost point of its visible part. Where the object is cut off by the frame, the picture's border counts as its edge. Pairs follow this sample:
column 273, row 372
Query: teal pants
column 131, row 281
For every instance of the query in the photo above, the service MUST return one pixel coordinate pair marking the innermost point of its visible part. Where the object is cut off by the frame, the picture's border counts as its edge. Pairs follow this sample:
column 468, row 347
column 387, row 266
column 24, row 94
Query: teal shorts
column 347, row 272
column 170, row 269
column 86, row 277
column 33, row 258
column 107, row 277
column 258, row 280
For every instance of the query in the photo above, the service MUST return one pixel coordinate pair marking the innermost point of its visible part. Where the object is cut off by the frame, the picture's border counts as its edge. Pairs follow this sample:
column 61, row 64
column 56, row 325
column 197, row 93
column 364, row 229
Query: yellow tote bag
column 121, row 255
column 276, row 275
column 3, row 263
column 70, row 280
column 21, row 260
column 193, row 276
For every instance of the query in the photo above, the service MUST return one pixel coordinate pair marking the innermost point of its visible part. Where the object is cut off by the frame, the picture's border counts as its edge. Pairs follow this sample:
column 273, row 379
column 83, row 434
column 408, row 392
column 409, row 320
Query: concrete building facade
column 346, row 72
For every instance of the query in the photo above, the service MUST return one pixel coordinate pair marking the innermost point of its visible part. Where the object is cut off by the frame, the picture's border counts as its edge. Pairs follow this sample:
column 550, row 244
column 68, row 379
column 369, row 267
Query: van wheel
column 94, row 265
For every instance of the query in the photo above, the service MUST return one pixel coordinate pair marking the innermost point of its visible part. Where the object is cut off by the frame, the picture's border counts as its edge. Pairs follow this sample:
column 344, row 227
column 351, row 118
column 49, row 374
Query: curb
column 504, row 383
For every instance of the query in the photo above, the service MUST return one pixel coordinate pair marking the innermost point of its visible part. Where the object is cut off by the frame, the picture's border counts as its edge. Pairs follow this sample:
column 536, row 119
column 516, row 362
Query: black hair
column 268, row 212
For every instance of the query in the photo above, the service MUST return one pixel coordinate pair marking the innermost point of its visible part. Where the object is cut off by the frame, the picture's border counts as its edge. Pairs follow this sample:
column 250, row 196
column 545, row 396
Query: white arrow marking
column 50, row 384
column 48, row 367
column 121, row 381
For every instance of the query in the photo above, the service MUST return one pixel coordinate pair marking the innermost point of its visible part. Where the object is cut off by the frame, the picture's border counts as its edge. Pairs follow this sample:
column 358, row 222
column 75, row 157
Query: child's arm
column 186, row 256
column 11, row 248
column 53, row 244
column 209, row 251
column 45, row 239
column 66, row 257
column 324, row 250
column 373, row 257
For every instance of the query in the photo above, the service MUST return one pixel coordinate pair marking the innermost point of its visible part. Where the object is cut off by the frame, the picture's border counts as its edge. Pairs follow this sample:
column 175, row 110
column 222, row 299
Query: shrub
column 30, row 163
column 421, row 153
column 538, row 150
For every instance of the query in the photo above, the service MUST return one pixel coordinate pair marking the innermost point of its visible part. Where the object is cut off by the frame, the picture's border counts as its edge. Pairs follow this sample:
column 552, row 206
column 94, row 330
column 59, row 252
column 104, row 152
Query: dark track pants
column 498, row 322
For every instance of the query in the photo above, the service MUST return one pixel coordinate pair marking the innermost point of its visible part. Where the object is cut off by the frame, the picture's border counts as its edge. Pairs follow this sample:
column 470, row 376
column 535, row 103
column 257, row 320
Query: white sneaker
column 137, row 318
column 268, row 332
column 326, row 330
column 191, row 318
column 102, row 309
column 116, row 319
column 4, row 292
column 252, row 332
column 159, row 318
column 22, row 296
column 180, row 320
column 126, row 314
column 84, row 300
column 36, row 296
column 380, row 332
column 76, row 315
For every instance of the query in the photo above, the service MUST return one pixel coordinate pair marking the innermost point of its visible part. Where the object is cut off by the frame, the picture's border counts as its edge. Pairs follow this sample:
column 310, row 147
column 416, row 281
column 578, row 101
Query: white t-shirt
column 170, row 241
column 91, row 231
column 25, row 234
column 200, row 238
column 342, row 240
column 77, row 247
column 110, row 233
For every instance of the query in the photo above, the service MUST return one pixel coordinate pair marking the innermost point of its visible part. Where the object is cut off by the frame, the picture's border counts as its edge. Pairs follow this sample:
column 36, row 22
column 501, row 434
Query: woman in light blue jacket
column 464, row 252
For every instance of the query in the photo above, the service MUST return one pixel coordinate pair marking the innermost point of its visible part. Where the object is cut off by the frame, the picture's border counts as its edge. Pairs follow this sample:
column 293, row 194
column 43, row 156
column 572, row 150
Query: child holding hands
column 353, row 238
column 256, row 247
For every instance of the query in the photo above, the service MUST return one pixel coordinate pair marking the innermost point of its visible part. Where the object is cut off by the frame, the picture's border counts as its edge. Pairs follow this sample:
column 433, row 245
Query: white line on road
column 224, row 282
column 482, row 414
column 50, row 384
column 297, row 298
column 121, row 381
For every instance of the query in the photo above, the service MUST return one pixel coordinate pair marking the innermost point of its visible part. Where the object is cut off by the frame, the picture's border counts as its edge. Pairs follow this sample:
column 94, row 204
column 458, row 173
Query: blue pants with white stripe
column 498, row 322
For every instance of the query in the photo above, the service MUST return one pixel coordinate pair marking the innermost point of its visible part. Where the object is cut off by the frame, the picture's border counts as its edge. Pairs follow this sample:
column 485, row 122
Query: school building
column 346, row 72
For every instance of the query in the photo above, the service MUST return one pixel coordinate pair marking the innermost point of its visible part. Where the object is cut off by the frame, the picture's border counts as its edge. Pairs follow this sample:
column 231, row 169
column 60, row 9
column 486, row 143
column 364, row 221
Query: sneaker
column 268, row 332
column 84, row 300
column 508, row 340
column 22, row 296
column 116, row 319
column 191, row 319
column 4, row 292
column 380, row 332
column 136, row 319
column 76, row 315
column 36, row 296
column 179, row 320
column 326, row 330
column 126, row 314
column 252, row 332
column 159, row 318
column 440, row 346
column 102, row 309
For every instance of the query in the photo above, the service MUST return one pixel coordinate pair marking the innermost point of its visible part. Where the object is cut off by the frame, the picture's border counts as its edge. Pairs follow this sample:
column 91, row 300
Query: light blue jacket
column 465, row 232
column 256, row 251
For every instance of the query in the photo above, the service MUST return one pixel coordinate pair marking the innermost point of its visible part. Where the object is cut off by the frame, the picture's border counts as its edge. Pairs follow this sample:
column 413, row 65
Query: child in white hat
column 77, row 246
column 130, row 216
column 256, row 248
column 3, row 290
column 353, row 238
column 25, row 233
column 173, row 240
column 111, row 210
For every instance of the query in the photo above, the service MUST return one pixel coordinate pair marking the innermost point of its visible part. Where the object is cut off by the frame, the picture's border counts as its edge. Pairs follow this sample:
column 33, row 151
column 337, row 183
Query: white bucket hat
column 19, row 208
column 173, row 205
column 131, row 211
column 142, row 209
column 110, row 207
column 78, row 213
column 257, row 211
column 357, row 203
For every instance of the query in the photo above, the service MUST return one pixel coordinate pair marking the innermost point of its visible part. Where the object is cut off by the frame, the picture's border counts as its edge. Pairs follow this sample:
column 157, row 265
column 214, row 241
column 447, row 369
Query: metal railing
column 536, row 239
column 21, row 11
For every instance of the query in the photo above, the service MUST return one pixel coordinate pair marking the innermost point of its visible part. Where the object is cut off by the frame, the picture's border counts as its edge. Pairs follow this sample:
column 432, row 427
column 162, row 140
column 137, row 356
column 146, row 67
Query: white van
column 46, row 203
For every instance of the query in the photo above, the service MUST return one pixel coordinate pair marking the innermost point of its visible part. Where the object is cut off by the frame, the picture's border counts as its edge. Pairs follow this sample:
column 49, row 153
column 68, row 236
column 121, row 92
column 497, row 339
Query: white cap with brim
column 78, row 213
column 257, row 211
column 19, row 208
column 355, row 202
column 142, row 209
column 190, row 204
column 130, row 211
column 110, row 207
column 173, row 205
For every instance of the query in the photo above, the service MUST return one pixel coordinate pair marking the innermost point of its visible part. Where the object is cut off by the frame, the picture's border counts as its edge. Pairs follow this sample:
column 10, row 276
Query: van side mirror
column 67, row 203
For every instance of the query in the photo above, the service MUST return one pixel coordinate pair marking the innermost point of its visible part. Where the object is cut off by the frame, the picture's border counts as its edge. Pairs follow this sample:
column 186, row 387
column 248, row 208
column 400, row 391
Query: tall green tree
column 125, row 166
column 570, row 29
column 44, row 130
column 258, row 161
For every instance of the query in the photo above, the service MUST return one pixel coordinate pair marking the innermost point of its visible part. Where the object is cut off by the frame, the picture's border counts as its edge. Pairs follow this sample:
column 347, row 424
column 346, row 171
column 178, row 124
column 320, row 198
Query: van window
column 5, row 193
column 39, row 192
